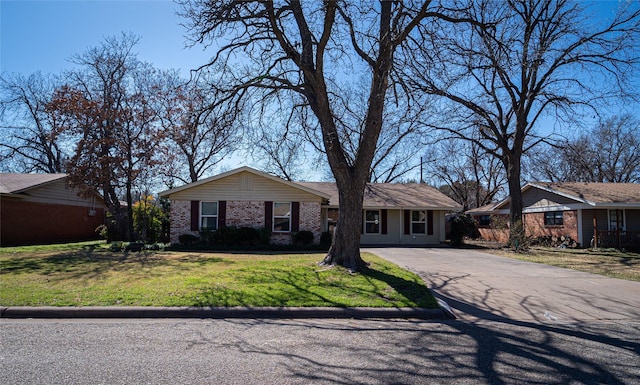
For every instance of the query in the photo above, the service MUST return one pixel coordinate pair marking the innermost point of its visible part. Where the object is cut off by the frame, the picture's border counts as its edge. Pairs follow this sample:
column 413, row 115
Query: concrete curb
column 222, row 312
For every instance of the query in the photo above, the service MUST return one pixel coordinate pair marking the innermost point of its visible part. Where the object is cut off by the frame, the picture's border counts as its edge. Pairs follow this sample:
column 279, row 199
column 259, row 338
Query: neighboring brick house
column 607, row 214
column 244, row 197
column 42, row 208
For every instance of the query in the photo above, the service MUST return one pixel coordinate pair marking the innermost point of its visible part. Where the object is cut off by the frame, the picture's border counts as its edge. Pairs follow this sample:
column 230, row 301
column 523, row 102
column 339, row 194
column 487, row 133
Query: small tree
column 148, row 219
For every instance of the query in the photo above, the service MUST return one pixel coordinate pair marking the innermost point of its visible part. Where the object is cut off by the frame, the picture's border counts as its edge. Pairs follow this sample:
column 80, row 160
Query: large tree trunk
column 516, row 225
column 345, row 247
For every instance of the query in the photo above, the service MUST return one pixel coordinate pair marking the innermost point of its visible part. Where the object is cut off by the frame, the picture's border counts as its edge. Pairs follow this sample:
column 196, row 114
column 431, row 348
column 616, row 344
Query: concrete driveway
column 478, row 285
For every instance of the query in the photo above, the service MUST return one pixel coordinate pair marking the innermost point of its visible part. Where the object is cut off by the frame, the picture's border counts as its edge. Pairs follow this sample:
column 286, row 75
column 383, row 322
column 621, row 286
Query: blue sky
column 41, row 35
column 38, row 35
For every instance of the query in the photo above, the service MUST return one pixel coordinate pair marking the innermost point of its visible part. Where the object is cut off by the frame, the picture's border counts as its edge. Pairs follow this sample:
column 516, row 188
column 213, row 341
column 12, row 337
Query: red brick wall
column 23, row 223
column 249, row 214
column 535, row 227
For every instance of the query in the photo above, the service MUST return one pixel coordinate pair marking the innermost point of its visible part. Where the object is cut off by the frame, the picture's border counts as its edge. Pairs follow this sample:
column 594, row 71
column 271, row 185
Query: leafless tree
column 311, row 50
column 464, row 172
column 539, row 59
column 610, row 152
column 194, row 134
column 30, row 140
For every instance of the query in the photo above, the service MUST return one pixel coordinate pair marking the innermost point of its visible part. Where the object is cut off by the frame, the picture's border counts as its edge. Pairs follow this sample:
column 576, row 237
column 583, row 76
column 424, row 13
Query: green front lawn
column 89, row 274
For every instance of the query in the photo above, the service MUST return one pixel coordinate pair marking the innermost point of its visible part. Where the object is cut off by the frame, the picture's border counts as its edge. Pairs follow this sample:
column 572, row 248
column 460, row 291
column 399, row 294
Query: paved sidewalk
column 479, row 285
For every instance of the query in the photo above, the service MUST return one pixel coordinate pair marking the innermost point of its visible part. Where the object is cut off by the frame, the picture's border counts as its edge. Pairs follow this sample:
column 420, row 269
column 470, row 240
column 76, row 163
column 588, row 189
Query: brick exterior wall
column 246, row 214
column 180, row 220
column 25, row 223
column 535, row 227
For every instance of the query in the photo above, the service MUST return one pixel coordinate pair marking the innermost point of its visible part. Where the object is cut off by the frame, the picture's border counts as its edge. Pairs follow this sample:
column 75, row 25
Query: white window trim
column 274, row 216
column 377, row 221
column 412, row 222
column 209, row 216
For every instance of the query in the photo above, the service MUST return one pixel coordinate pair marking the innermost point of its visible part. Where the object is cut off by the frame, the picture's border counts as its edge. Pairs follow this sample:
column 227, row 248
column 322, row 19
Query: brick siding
column 535, row 227
column 246, row 214
column 180, row 221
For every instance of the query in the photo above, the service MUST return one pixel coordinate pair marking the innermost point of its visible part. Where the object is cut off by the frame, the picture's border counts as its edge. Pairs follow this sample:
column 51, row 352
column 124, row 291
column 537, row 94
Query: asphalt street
column 80, row 351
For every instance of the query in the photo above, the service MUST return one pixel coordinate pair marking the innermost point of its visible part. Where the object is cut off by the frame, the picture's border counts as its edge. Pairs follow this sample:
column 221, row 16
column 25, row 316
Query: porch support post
column 595, row 230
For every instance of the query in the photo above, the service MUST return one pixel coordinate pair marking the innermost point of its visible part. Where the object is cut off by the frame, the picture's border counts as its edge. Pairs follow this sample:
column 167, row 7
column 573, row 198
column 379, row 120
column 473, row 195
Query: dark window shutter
column 383, row 220
column 222, row 213
column 364, row 221
column 429, row 222
column 268, row 215
column 195, row 215
column 295, row 216
column 407, row 221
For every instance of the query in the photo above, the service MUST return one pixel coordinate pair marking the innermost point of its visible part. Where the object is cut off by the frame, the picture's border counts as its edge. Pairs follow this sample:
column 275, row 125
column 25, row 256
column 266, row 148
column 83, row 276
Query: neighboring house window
column 281, row 217
column 209, row 215
column 372, row 222
column 553, row 218
column 419, row 222
column 616, row 220
column 484, row 220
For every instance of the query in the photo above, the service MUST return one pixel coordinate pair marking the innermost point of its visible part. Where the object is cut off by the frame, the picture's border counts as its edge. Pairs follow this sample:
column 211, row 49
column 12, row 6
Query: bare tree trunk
column 516, row 229
column 345, row 247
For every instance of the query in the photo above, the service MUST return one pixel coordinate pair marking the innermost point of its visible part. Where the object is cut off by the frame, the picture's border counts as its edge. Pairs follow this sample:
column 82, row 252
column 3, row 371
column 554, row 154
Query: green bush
column 303, row 237
column 226, row 235
column 248, row 236
column 326, row 238
column 265, row 236
column 462, row 226
column 188, row 239
column 207, row 237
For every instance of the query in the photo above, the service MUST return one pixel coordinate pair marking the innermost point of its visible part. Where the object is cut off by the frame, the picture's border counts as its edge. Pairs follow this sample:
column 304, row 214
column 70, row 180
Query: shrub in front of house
column 462, row 226
column 303, row 238
column 325, row 239
column 248, row 236
column 188, row 239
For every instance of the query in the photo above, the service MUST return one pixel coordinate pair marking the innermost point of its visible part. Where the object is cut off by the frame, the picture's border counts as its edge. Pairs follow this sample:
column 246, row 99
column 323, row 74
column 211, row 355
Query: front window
column 418, row 222
column 209, row 215
column 281, row 217
column 484, row 220
column 553, row 218
column 372, row 222
column 616, row 220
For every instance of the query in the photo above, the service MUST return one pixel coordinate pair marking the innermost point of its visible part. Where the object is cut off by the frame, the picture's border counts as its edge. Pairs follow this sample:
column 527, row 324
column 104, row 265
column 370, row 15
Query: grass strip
column 608, row 262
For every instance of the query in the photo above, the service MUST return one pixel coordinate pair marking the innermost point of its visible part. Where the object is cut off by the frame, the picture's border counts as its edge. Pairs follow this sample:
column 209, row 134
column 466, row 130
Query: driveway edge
column 222, row 312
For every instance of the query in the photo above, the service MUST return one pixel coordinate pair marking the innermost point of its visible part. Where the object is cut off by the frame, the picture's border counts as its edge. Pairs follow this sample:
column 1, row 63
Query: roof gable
column 17, row 183
column 590, row 194
column 594, row 194
column 202, row 184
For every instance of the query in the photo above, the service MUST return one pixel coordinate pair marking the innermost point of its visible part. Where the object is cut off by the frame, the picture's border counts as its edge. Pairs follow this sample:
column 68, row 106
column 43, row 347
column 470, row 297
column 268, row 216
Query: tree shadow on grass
column 86, row 260
column 414, row 291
